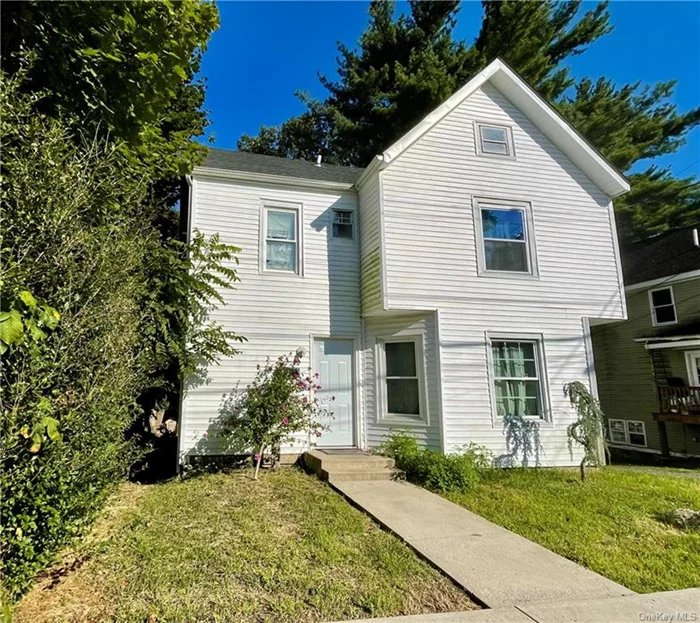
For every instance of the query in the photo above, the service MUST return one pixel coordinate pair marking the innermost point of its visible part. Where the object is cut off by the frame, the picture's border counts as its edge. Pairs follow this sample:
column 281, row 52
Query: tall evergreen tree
column 405, row 67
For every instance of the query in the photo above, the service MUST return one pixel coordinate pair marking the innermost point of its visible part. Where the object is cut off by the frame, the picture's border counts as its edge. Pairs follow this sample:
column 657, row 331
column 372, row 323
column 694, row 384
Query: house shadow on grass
column 523, row 444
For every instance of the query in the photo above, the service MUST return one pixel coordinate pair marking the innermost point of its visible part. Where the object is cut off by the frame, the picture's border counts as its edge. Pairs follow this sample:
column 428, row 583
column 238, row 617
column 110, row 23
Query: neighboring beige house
column 648, row 368
column 446, row 289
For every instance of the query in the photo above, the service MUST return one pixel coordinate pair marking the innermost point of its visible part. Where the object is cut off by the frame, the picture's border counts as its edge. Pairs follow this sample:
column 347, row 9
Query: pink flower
column 304, row 399
column 257, row 457
column 317, row 375
column 205, row 435
column 318, row 433
column 285, row 421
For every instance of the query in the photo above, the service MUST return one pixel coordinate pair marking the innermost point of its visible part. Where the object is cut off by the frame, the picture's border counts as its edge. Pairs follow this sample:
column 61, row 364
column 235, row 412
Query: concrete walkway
column 672, row 606
column 495, row 566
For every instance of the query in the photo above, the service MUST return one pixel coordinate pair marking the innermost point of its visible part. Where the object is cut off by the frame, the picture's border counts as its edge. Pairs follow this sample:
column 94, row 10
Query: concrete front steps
column 348, row 465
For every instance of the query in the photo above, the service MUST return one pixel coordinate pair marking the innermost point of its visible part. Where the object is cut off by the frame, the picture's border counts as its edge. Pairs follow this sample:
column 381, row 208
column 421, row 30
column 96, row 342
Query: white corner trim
column 377, row 164
column 618, row 259
column 280, row 180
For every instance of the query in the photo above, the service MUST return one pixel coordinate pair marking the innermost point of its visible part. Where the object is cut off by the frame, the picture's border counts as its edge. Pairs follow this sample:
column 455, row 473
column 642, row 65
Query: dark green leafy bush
column 435, row 470
column 98, row 310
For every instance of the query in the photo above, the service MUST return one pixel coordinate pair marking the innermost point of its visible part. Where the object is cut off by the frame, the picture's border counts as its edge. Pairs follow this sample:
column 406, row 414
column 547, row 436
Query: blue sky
column 264, row 51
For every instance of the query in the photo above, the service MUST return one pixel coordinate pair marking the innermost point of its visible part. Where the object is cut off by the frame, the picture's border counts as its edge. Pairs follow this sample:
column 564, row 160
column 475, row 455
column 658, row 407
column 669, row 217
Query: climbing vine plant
column 587, row 430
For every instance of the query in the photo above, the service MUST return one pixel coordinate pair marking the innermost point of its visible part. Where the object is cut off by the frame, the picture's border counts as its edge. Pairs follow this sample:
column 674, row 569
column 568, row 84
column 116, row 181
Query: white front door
column 333, row 362
column 692, row 359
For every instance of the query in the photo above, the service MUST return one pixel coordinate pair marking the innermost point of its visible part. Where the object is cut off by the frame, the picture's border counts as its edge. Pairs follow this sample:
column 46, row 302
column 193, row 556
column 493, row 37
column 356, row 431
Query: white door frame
column 356, row 419
column 691, row 367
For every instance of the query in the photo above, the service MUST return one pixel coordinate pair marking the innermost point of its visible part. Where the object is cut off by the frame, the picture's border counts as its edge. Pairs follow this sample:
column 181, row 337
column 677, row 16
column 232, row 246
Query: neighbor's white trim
column 547, row 120
column 672, row 344
column 693, row 375
column 691, row 274
column 280, row 180
column 678, row 338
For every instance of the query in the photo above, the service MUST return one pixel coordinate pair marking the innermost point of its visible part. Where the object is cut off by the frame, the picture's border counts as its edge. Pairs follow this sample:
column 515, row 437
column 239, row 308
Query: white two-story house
column 447, row 289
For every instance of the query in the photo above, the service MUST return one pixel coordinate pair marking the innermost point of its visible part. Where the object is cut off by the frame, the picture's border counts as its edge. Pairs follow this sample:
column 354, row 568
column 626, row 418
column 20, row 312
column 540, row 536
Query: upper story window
column 506, row 244
column 517, row 378
column 663, row 307
column 343, row 224
column 494, row 140
column 281, row 249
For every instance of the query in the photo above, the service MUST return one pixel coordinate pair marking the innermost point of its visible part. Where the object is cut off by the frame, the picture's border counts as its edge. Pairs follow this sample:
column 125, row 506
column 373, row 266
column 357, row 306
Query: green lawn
column 612, row 523
column 225, row 548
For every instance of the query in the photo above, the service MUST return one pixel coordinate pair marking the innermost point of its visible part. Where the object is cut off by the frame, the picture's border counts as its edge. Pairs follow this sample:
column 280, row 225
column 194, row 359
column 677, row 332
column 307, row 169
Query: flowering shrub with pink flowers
column 277, row 404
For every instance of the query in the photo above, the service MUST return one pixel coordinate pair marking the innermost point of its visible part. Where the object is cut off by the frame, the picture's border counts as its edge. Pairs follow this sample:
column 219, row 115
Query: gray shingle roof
column 664, row 255
column 273, row 165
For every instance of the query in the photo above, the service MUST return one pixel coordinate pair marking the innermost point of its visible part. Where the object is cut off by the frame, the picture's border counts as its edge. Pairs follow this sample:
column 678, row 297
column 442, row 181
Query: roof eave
column 268, row 178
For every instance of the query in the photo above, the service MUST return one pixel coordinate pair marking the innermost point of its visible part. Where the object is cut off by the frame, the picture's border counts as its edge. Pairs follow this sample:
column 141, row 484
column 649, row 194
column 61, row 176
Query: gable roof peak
column 538, row 110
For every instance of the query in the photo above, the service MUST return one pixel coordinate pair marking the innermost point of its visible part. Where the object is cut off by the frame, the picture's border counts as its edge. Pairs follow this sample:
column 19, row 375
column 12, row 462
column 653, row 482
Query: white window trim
column 383, row 415
column 478, row 125
column 483, row 203
column 653, row 309
column 626, row 424
column 298, row 210
column 353, row 223
column 538, row 340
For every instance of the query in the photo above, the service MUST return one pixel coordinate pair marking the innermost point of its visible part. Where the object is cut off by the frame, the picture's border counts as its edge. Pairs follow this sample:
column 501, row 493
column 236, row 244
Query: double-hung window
column 627, row 432
column 506, row 244
column 343, row 224
column 494, row 140
column 403, row 394
column 663, row 307
column 517, row 378
column 281, row 240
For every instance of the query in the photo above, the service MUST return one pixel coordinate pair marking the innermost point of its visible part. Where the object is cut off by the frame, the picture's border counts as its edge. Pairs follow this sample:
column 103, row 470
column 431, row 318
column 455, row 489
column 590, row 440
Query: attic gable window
column 494, row 140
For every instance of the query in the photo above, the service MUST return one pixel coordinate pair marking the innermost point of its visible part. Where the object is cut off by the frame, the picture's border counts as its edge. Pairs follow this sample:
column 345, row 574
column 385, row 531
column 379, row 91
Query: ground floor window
column 403, row 395
column 517, row 378
column 627, row 432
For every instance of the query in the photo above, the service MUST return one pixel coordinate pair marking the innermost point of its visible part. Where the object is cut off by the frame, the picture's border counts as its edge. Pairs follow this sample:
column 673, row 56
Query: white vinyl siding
column 663, row 306
column 430, row 195
column 277, row 314
column 402, row 328
column 370, row 245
